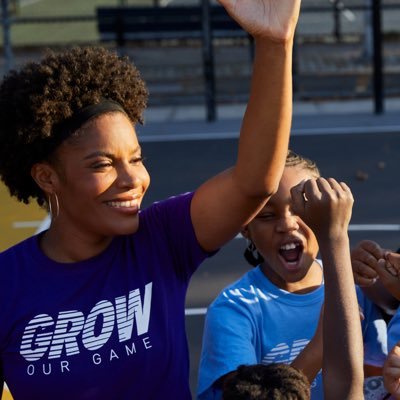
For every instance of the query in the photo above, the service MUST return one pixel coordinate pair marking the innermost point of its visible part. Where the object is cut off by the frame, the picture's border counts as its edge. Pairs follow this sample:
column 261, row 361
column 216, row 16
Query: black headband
column 73, row 123
column 66, row 128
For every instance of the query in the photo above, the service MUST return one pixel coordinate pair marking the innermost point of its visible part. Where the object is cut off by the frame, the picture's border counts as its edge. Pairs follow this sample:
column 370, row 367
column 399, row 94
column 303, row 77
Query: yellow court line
column 13, row 212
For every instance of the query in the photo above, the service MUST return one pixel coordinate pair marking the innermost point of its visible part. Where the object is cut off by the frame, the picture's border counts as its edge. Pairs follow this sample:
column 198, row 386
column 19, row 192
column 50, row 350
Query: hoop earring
column 51, row 211
column 251, row 254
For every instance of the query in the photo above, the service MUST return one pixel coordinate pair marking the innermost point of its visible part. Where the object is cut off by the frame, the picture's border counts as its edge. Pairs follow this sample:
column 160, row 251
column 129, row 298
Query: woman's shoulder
column 170, row 215
column 172, row 203
column 19, row 248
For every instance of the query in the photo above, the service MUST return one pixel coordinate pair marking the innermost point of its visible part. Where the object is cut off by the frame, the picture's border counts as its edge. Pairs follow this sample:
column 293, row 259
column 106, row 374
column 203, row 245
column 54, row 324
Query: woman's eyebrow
column 98, row 154
column 95, row 154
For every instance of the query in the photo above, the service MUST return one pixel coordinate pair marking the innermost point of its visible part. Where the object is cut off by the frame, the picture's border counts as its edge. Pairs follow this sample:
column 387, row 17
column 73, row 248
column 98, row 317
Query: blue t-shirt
column 394, row 330
column 253, row 321
column 110, row 327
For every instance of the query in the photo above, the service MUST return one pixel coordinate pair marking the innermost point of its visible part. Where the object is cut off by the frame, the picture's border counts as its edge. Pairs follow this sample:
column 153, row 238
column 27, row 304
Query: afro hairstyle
column 41, row 95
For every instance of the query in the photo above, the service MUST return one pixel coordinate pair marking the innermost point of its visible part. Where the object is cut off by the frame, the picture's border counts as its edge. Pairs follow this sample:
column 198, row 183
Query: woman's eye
column 101, row 165
column 137, row 160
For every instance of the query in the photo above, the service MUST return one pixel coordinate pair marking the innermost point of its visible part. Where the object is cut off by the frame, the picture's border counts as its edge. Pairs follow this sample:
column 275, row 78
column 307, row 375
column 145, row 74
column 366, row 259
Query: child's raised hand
column 391, row 372
column 275, row 19
column 364, row 261
column 325, row 205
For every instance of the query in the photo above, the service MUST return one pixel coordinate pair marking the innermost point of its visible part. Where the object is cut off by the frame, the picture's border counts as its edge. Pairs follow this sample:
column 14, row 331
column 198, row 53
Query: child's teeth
column 289, row 246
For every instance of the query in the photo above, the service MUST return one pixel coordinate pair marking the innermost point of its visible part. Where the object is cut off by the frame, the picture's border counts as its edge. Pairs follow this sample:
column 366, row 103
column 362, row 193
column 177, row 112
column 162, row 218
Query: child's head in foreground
column 266, row 382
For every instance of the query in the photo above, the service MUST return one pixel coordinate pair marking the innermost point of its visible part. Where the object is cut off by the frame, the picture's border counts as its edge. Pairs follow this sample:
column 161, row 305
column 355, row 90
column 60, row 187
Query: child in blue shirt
column 271, row 314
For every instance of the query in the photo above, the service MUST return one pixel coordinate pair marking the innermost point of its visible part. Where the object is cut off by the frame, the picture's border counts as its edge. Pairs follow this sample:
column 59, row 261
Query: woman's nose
column 132, row 176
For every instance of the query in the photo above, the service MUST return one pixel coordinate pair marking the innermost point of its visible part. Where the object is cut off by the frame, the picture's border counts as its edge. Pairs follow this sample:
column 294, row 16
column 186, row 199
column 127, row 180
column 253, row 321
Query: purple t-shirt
column 110, row 327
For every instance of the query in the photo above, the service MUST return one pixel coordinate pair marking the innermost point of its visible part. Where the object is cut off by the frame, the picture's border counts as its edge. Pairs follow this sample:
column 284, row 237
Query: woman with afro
column 93, row 307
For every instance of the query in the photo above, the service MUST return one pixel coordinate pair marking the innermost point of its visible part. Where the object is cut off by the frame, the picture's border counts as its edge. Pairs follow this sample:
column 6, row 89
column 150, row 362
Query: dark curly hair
column 40, row 96
column 266, row 382
column 252, row 256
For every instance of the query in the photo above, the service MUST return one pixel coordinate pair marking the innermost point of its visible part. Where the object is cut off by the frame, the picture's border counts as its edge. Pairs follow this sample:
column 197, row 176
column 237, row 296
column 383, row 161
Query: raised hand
column 274, row 19
column 325, row 205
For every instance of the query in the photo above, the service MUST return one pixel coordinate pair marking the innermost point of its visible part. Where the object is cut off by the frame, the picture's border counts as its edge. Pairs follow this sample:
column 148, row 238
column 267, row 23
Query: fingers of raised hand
column 335, row 191
column 393, row 259
column 265, row 18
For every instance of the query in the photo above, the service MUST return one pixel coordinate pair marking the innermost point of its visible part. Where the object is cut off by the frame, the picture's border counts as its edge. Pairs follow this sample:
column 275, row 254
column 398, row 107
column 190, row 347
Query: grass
column 50, row 34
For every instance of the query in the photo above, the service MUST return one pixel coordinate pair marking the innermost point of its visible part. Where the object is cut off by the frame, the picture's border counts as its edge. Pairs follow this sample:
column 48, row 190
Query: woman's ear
column 45, row 176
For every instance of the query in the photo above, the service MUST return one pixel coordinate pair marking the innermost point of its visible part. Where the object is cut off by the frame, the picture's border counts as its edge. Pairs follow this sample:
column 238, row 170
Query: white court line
column 374, row 227
column 26, row 224
column 347, row 130
column 195, row 311
column 363, row 228
column 202, row 310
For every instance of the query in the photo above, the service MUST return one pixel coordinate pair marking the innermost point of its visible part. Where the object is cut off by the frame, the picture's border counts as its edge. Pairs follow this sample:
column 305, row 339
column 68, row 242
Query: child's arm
column 225, row 203
column 391, row 372
column 325, row 206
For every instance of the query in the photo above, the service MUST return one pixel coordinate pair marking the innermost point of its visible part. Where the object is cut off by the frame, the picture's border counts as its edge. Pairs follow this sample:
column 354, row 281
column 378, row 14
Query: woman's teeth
column 122, row 204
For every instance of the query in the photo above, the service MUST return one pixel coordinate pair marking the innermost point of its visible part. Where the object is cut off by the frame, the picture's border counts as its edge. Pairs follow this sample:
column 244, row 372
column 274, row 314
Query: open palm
column 275, row 19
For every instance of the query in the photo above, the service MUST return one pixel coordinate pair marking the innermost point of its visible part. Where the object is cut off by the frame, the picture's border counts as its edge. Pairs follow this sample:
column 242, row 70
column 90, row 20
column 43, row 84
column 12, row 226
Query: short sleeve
column 228, row 341
column 169, row 226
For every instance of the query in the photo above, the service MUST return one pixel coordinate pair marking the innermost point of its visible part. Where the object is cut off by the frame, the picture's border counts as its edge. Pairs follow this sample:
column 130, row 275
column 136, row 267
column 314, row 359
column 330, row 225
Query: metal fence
column 339, row 21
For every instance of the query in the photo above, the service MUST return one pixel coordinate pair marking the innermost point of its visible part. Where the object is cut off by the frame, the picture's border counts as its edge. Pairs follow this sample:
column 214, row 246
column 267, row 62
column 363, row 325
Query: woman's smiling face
column 286, row 243
column 101, row 178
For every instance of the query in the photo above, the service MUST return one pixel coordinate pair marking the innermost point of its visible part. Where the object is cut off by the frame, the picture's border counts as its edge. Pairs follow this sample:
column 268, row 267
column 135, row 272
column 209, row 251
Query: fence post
column 337, row 20
column 208, row 61
column 377, row 60
column 8, row 55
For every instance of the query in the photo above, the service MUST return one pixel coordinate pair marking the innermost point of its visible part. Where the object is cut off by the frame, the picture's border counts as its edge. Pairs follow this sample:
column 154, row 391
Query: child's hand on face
column 364, row 261
column 391, row 372
column 325, row 205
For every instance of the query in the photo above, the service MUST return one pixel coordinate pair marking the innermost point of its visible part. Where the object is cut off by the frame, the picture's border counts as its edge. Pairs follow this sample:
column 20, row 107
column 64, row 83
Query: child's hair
column 36, row 100
column 293, row 160
column 266, row 382
column 252, row 256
